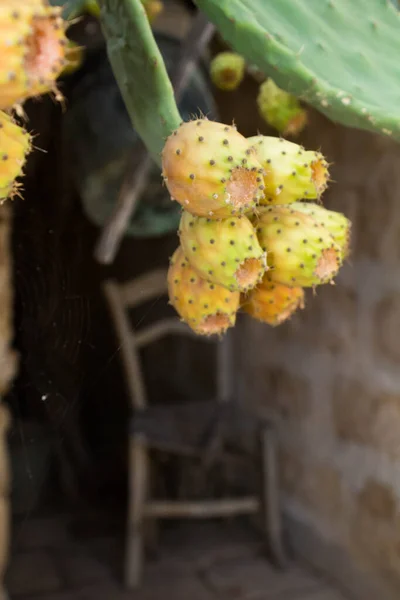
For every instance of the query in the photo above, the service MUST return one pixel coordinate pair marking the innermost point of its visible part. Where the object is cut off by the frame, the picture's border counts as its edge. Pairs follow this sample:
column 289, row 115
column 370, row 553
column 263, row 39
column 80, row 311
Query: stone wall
column 8, row 367
column 332, row 374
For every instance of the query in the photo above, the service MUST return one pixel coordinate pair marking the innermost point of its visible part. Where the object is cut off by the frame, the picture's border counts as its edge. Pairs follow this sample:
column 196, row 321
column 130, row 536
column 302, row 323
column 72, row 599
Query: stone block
column 287, row 394
column 364, row 417
column 386, row 327
column 378, row 500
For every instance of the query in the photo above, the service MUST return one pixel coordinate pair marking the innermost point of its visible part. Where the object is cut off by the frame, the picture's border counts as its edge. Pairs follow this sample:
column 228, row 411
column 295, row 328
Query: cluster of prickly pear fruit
column 248, row 236
column 278, row 108
column 34, row 52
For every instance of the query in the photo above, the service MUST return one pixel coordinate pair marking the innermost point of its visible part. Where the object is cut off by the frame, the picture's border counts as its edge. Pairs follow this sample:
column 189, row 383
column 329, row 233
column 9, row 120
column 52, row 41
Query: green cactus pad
column 341, row 57
column 140, row 72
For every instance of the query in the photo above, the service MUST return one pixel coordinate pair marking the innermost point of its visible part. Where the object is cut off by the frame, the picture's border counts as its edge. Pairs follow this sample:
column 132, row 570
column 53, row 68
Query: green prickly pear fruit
column 336, row 223
column 206, row 307
column 212, row 170
column 291, row 172
column 272, row 302
column 280, row 109
column 227, row 70
column 226, row 252
column 300, row 251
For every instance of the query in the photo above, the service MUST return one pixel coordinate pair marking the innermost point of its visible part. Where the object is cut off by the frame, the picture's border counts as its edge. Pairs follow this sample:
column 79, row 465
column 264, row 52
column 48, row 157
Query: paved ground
column 56, row 559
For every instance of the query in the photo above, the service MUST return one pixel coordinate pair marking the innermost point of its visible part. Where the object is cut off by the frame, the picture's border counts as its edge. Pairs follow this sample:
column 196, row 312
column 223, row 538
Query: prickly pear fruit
column 280, row 109
column 206, row 307
column 336, row 223
column 212, row 170
column 15, row 143
column 292, row 173
column 300, row 252
column 32, row 49
column 225, row 252
column 227, row 70
column 153, row 8
column 272, row 302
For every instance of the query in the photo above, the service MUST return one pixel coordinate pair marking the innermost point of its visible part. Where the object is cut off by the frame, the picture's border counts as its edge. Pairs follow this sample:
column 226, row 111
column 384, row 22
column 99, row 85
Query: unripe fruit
column 211, row 170
column 206, row 307
column 280, row 109
column 272, row 302
column 227, row 70
column 32, row 49
column 291, row 173
column 336, row 223
column 225, row 252
column 300, row 252
column 15, row 143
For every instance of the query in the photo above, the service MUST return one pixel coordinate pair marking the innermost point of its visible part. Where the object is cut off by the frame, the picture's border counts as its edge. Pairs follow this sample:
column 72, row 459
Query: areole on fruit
column 224, row 251
column 211, row 170
column 206, row 307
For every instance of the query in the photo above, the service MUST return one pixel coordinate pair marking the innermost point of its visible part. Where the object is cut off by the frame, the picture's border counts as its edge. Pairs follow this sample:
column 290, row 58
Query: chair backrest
column 121, row 298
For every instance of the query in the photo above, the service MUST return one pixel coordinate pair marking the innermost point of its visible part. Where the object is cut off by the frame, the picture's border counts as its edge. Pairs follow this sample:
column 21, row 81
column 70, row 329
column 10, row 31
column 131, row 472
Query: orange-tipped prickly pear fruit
column 212, row 170
column 291, row 173
column 280, row 109
column 336, row 223
column 225, row 252
column 300, row 252
column 32, row 49
column 15, row 143
column 206, row 307
column 272, row 302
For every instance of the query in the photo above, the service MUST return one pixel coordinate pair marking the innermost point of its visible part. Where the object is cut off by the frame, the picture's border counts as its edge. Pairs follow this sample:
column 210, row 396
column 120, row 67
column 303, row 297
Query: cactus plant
column 304, row 47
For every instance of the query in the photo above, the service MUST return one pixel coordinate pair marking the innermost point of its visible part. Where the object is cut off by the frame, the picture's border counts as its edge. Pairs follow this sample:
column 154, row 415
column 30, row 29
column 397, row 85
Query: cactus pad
column 339, row 56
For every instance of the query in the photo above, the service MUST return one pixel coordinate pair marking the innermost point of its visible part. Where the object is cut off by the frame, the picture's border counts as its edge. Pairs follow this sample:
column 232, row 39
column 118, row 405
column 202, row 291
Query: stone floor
column 56, row 558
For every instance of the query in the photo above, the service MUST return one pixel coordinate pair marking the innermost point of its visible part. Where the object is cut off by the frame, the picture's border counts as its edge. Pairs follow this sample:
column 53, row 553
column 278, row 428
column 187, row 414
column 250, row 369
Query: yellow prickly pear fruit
column 15, row 143
column 336, row 223
column 227, row 70
column 212, row 170
column 280, row 109
column 272, row 302
column 300, row 252
column 291, row 172
column 32, row 49
column 206, row 307
column 153, row 8
column 225, row 252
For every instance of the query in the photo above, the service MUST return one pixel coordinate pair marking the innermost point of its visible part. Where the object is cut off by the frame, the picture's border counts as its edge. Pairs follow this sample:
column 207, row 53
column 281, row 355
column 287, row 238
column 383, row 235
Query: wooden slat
column 154, row 332
column 202, row 509
column 143, row 288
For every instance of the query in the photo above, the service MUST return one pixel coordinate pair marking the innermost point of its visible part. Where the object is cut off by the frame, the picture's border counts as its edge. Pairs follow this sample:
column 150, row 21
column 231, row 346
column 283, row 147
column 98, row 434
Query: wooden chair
column 192, row 429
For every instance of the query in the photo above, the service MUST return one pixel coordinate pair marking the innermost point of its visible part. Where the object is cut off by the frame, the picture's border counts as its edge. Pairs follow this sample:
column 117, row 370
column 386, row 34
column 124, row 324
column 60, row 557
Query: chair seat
column 192, row 428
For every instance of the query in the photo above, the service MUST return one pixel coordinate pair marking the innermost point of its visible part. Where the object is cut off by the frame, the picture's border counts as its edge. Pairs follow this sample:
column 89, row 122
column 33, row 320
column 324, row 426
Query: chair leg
column 271, row 510
column 138, row 487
